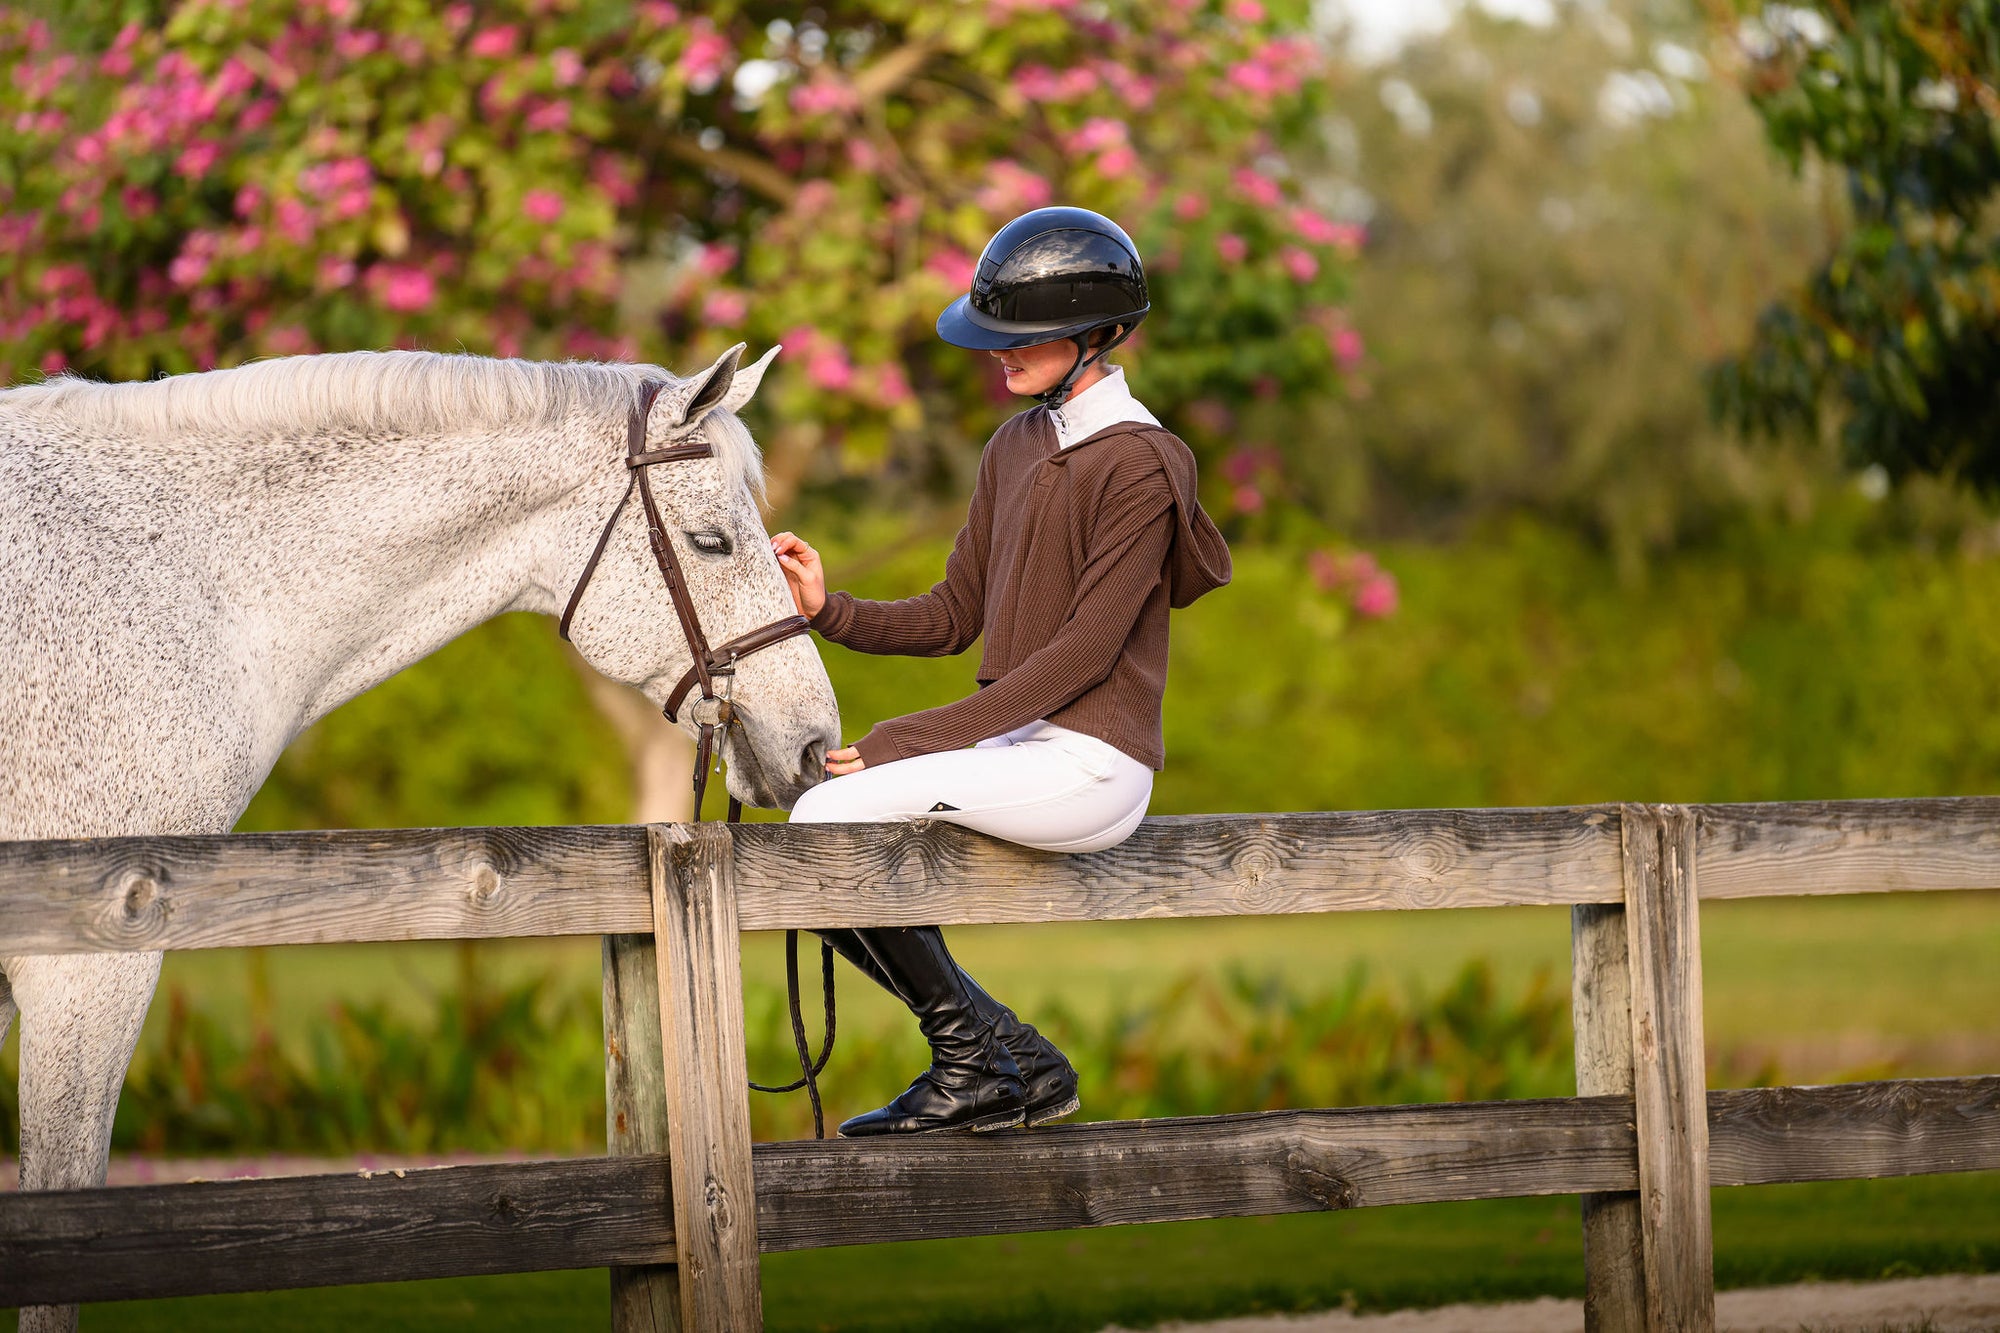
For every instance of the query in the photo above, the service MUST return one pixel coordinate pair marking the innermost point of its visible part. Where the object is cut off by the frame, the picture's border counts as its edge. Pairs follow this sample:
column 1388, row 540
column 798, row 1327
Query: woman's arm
column 937, row 623
column 1126, row 561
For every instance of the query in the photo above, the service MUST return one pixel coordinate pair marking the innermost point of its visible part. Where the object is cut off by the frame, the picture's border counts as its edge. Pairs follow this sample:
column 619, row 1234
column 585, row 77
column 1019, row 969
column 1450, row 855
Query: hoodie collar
column 1104, row 404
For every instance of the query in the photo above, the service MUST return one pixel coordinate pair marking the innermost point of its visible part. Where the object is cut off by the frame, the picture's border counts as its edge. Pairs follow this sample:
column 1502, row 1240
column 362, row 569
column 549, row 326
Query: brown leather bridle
column 712, row 712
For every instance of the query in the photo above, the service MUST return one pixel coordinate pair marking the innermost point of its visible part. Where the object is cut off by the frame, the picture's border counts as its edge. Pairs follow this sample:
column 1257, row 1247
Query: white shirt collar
column 1105, row 403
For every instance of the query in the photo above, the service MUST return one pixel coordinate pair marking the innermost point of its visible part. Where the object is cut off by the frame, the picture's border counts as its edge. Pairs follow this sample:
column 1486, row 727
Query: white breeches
column 1040, row 785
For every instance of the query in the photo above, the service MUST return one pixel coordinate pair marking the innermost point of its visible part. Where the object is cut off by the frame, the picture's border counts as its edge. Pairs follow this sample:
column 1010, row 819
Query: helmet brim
column 962, row 325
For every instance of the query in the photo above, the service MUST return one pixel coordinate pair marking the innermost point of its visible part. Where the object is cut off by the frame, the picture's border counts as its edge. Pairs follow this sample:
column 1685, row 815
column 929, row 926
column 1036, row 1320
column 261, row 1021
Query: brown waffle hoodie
column 1067, row 564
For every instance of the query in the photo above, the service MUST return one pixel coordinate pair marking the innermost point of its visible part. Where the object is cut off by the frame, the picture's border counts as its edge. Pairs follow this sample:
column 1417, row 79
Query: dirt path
column 1953, row 1304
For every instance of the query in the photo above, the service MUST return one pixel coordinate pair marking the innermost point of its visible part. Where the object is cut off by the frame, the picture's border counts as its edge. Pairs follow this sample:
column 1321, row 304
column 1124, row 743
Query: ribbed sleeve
column 1124, row 562
column 938, row 623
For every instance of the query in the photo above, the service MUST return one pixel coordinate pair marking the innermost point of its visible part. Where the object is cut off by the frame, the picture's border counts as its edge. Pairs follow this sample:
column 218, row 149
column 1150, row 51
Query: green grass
column 1073, row 1282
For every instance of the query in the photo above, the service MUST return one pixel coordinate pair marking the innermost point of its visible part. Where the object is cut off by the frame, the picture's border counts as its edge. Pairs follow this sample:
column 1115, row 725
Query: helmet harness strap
column 1085, row 358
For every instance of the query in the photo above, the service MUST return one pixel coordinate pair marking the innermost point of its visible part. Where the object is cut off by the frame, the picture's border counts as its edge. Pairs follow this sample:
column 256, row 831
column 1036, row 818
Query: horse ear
column 748, row 379
column 711, row 388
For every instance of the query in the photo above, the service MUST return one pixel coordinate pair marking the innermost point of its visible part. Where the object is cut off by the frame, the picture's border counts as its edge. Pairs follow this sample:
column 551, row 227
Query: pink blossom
column 335, row 272
column 1037, row 83
column 196, row 159
column 1097, row 134
column 905, row 209
column 705, row 57
column 892, row 386
column 549, row 117
column 1247, row 498
column 249, row 199
column 543, row 206
column 1312, row 226
column 953, row 265
column 54, row 363
column 1299, row 263
column 658, row 13
column 1134, row 89
column 566, row 67
column 1190, row 205
column 1246, row 11
column 354, row 43
column 614, row 176
column 458, row 17
column 1075, row 83
column 188, row 268
column 1260, row 80
column 716, row 259
column 1119, row 161
column 725, row 307
column 257, row 114
column 1256, row 188
column 823, row 97
column 400, row 287
column 138, row 202
column 494, row 43
column 1347, row 347
column 1011, row 188
column 829, row 368
column 60, row 278
column 295, row 223
column 1231, row 247
column 1376, row 598
column 861, row 155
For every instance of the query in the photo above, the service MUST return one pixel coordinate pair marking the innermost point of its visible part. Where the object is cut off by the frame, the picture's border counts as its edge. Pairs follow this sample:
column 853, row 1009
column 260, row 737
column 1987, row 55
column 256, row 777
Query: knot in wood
column 715, row 1198
column 483, row 885
column 1306, row 1178
column 140, row 905
column 503, row 1208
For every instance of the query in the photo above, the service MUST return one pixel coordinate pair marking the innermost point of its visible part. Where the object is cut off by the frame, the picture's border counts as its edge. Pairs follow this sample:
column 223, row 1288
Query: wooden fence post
column 643, row 1300
column 1614, row 1290
column 1670, row 1085
column 708, row 1105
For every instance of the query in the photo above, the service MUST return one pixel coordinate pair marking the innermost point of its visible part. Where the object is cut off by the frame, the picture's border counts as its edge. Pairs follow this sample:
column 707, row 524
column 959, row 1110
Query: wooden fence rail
column 684, row 1204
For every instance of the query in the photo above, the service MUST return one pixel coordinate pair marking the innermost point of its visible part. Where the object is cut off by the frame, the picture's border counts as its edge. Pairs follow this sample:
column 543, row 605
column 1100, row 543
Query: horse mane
column 396, row 392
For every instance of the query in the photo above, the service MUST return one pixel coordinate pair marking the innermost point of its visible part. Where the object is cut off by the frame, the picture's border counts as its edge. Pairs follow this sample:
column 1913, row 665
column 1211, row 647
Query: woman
column 1084, row 529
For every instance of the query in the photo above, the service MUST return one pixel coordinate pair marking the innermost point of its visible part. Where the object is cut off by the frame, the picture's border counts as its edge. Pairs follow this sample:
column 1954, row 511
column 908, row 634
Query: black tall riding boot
column 1045, row 1071
column 973, row 1083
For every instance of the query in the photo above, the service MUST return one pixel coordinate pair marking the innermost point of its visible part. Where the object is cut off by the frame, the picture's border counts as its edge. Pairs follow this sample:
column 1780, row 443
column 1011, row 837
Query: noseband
column 711, row 712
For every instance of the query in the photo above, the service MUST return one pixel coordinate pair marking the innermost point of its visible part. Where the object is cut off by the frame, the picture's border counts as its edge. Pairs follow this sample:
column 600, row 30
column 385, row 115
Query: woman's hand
column 848, row 760
column 803, row 574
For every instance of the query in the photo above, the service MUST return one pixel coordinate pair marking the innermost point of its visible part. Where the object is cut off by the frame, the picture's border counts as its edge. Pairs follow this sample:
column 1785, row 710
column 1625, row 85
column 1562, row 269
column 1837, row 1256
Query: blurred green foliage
column 519, row 1065
column 1895, row 336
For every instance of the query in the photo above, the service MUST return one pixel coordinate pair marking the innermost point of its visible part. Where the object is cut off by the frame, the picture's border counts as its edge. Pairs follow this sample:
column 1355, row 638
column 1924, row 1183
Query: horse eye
column 710, row 543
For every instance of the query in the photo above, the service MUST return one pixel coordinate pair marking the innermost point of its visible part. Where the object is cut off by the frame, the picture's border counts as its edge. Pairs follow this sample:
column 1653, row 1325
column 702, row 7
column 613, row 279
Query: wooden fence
column 683, row 1205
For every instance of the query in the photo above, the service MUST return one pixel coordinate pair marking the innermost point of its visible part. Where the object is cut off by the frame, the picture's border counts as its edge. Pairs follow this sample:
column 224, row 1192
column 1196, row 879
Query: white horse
column 193, row 570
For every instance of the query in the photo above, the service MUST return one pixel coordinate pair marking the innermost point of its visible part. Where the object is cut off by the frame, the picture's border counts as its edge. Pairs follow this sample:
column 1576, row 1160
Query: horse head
column 622, row 615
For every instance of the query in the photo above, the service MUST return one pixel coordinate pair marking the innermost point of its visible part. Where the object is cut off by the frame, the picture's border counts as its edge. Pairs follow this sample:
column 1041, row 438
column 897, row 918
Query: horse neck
column 367, row 560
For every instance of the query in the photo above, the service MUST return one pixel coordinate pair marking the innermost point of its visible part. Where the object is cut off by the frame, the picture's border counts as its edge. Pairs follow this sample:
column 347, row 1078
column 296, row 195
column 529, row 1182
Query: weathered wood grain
column 253, row 1235
column 316, row 888
column 1854, row 1131
column 1614, row 1286
column 407, row 884
column 644, row 1299
column 707, row 1072
column 924, row 872
column 315, row 1231
column 839, row 1192
column 1663, row 933
column 1818, row 847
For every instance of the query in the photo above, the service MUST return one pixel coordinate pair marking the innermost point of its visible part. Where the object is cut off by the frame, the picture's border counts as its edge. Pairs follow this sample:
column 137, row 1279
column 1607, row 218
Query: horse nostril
column 812, row 761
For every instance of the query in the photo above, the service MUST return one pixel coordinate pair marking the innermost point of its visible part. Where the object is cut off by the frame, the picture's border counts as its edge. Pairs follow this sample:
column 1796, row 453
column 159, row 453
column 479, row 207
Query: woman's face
column 1037, row 369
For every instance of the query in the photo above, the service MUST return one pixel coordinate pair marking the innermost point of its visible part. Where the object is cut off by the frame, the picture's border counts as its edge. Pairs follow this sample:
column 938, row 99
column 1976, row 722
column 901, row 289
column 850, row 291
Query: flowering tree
column 187, row 185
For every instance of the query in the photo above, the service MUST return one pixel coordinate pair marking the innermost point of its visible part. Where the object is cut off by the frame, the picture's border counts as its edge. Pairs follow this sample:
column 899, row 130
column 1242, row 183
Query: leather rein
column 711, row 713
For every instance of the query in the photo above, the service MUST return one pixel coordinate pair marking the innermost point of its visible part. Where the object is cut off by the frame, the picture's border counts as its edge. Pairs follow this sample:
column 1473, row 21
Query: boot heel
column 1050, row 1113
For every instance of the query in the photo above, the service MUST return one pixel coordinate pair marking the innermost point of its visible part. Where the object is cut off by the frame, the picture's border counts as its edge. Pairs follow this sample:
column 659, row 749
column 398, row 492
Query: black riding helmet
column 1050, row 274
